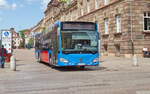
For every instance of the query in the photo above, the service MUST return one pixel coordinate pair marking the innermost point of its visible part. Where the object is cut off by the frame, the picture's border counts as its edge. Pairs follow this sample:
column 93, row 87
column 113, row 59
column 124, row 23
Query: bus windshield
column 79, row 42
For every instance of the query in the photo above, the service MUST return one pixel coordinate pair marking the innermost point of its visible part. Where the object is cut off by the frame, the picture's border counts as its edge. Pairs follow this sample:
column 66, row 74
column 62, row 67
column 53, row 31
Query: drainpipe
column 134, row 57
column 131, row 26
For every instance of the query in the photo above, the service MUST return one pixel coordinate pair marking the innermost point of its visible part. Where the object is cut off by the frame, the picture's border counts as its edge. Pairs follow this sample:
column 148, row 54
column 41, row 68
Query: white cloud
column 43, row 2
column 13, row 6
column 5, row 5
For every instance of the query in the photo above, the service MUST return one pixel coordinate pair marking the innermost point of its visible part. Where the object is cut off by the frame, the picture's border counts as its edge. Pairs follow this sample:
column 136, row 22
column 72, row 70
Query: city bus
column 69, row 43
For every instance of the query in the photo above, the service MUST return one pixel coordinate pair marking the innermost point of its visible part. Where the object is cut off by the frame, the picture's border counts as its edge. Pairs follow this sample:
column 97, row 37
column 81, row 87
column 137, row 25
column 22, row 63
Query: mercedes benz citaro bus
column 69, row 44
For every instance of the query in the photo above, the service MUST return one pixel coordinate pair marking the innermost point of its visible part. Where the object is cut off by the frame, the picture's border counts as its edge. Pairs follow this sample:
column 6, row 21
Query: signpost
column 6, row 41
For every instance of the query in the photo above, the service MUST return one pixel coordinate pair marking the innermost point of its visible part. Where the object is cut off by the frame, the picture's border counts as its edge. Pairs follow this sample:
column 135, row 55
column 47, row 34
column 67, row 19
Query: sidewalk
column 116, row 75
column 111, row 63
column 122, row 63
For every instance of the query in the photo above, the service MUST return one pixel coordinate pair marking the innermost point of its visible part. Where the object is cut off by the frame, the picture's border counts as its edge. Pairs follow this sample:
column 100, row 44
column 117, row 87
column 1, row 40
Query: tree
column 22, row 35
column 31, row 42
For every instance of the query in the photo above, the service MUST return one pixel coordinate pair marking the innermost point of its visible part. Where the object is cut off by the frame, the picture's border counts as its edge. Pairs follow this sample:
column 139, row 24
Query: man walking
column 3, row 54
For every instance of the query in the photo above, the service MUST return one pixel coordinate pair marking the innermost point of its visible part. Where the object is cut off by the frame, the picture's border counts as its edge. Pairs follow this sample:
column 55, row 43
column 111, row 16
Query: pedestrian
column 3, row 54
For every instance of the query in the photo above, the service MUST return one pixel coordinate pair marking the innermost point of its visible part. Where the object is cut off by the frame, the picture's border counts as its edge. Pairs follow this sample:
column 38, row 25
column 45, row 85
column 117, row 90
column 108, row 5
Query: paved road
column 115, row 76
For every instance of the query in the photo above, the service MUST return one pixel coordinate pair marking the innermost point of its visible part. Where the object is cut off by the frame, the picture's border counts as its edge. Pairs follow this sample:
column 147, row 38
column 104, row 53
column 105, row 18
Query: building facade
column 16, row 39
column 39, row 27
column 124, row 24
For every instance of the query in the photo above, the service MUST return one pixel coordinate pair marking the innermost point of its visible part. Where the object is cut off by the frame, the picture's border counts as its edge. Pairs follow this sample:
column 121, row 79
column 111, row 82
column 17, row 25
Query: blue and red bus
column 69, row 43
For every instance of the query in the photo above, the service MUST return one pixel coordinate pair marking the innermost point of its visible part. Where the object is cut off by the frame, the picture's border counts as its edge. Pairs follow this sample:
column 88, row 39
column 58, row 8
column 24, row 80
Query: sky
column 21, row 14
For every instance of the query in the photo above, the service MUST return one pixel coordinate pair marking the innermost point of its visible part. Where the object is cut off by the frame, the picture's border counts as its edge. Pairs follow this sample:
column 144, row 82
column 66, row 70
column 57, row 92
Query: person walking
column 3, row 54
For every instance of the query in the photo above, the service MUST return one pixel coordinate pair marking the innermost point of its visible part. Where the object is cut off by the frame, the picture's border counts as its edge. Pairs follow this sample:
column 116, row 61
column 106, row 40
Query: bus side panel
column 44, row 56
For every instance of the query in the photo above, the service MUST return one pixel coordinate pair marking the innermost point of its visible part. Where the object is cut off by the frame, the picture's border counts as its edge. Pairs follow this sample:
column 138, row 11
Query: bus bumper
column 78, row 64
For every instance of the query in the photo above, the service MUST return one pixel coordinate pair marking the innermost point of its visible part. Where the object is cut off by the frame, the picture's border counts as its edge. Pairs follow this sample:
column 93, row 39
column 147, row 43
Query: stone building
column 60, row 11
column 16, row 39
column 39, row 27
column 124, row 24
column 27, row 36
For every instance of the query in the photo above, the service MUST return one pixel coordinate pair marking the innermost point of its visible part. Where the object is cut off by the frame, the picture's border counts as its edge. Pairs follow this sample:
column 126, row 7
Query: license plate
column 81, row 64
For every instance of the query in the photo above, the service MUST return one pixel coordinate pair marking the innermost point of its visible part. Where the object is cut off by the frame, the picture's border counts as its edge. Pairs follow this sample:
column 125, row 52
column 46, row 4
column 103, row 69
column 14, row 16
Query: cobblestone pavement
column 114, row 76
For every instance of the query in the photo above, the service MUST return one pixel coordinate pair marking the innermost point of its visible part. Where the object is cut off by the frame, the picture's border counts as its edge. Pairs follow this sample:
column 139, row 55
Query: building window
column 97, row 4
column 88, row 6
column 105, row 47
column 118, row 23
column 82, row 12
column 117, row 46
column 71, row 16
column 76, row 14
column 106, row 2
column 106, row 21
column 147, row 21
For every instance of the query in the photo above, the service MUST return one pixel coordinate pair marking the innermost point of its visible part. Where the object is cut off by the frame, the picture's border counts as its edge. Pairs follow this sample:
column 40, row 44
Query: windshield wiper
column 93, row 52
column 66, row 52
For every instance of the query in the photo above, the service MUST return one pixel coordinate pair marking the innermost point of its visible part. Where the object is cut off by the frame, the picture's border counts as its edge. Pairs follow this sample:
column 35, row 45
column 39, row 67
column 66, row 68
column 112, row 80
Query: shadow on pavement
column 18, row 60
column 20, row 64
column 18, row 70
column 68, row 69
column 73, row 68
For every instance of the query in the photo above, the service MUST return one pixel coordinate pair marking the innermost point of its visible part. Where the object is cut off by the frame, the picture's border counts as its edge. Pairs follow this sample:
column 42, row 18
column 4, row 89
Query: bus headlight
column 64, row 60
column 96, row 60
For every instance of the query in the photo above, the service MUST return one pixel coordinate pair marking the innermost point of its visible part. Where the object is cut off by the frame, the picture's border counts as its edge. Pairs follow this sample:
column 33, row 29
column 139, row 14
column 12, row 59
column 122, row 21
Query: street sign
column 7, row 40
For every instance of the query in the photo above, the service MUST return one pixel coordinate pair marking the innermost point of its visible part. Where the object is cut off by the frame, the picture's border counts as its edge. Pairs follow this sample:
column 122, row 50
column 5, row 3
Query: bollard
column 13, row 63
column 135, row 60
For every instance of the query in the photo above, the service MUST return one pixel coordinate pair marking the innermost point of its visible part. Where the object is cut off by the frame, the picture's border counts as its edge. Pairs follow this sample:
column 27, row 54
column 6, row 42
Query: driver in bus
column 85, row 44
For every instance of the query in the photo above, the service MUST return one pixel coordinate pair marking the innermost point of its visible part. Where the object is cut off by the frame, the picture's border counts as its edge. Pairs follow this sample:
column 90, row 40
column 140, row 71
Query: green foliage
column 31, row 42
column 22, row 35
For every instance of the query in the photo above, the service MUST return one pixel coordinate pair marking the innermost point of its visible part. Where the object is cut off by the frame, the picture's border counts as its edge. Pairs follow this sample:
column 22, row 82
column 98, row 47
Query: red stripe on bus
column 45, row 56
